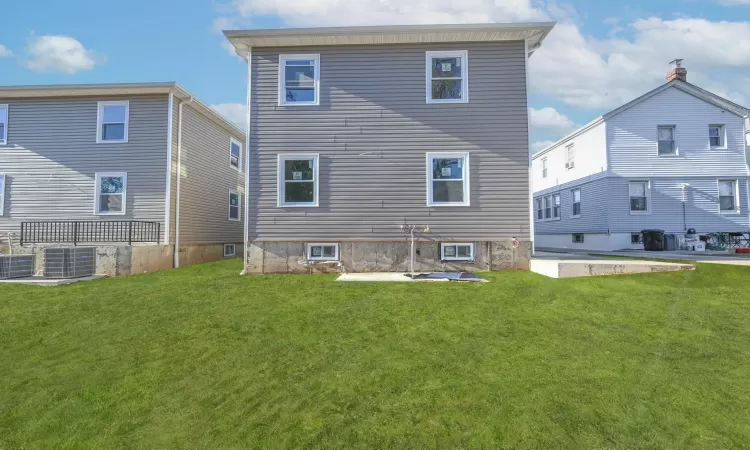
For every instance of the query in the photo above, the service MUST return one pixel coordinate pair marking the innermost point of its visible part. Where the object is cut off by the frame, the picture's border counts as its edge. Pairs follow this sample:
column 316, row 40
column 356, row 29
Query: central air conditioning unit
column 69, row 262
column 16, row 266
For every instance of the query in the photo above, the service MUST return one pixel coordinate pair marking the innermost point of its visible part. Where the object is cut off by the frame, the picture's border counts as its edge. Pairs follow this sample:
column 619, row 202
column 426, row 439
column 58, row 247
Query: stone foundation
column 289, row 257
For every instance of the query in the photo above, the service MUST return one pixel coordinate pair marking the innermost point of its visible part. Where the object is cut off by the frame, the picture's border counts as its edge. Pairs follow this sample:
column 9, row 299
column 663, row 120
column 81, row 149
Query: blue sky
column 600, row 55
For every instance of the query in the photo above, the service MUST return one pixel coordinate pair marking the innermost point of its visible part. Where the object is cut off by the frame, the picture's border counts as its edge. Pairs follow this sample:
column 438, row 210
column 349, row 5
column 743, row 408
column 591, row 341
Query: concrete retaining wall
column 204, row 253
column 289, row 257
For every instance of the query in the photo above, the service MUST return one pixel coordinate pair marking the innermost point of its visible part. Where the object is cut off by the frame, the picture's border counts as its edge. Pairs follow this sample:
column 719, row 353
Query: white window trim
column 573, row 240
column 539, row 207
column 3, row 182
column 466, row 178
column 239, row 206
column 280, row 185
column 456, row 258
column 464, row 55
column 674, row 139
column 239, row 160
column 4, row 120
column 310, row 257
column 544, row 168
column 548, row 199
column 232, row 253
column 97, row 193
column 737, row 207
column 572, row 202
column 570, row 156
column 282, row 78
column 100, row 121
column 722, row 136
column 640, row 238
column 648, row 198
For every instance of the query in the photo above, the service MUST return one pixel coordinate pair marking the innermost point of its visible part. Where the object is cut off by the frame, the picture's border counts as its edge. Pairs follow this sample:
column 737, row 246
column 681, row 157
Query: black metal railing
column 79, row 232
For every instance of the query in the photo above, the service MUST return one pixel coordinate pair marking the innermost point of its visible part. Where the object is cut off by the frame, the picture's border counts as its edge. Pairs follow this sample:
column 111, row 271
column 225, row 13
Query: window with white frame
column 298, row 179
column 728, row 196
column 323, row 252
column 639, row 196
column 539, row 209
column 666, row 142
column 2, row 194
column 235, row 154
column 3, row 124
column 229, row 250
column 556, row 206
column 575, row 202
column 570, row 156
column 447, row 77
column 299, row 79
column 448, row 179
column 544, row 167
column 578, row 238
column 716, row 136
column 111, row 193
column 636, row 238
column 112, row 121
column 547, row 207
column 456, row 252
column 234, row 206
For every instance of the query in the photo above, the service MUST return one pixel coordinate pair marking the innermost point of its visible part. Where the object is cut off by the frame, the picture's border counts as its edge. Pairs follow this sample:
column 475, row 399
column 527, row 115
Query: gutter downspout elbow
column 179, row 179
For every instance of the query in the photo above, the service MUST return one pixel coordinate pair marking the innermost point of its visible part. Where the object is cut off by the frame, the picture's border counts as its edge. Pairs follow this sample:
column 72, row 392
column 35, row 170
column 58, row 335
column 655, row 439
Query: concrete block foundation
column 385, row 256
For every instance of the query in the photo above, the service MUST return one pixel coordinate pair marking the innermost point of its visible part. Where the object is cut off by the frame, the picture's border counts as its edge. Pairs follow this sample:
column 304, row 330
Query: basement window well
column 456, row 252
column 322, row 252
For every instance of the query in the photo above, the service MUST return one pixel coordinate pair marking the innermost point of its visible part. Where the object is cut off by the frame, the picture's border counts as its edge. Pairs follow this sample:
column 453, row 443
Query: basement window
column 636, row 238
column 456, row 252
column 578, row 238
column 322, row 252
column 229, row 250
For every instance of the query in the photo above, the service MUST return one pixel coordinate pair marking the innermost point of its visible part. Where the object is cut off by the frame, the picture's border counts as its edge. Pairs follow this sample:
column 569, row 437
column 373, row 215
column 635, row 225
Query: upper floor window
column 235, row 154
column 666, row 140
column 111, row 193
column 716, row 136
column 447, row 179
column 570, row 157
column 575, row 202
column 112, row 121
column 447, row 77
column 544, row 167
column 728, row 196
column 234, row 206
column 639, row 196
column 298, row 179
column 2, row 194
column 3, row 124
column 299, row 79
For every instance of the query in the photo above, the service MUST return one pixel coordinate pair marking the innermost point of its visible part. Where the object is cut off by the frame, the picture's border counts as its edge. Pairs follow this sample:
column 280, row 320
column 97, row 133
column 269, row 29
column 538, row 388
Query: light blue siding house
column 673, row 159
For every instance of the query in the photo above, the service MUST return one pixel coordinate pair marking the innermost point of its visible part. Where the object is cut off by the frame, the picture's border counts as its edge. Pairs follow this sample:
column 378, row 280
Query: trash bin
column 653, row 240
column 670, row 242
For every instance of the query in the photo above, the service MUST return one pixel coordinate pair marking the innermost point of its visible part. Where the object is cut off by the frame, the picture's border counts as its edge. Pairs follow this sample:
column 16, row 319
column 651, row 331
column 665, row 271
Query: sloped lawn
column 202, row 358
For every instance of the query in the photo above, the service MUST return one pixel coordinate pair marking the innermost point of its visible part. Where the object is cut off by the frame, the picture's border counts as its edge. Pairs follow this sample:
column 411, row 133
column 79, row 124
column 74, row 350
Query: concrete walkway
column 701, row 257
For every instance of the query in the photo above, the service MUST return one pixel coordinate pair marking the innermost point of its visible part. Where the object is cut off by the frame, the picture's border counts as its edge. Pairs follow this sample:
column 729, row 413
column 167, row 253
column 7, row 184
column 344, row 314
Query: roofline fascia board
column 570, row 136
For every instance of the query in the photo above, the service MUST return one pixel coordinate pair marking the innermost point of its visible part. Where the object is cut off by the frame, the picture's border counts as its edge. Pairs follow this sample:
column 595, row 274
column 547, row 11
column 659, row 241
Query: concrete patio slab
column 392, row 277
column 579, row 267
column 41, row 281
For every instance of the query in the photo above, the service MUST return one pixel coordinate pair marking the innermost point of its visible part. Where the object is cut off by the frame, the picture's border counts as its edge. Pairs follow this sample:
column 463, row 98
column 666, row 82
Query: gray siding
column 594, row 208
column 372, row 130
column 702, row 207
column 206, row 181
column 52, row 156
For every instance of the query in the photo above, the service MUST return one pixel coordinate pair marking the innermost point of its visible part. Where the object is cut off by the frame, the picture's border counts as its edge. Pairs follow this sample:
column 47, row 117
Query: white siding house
column 673, row 159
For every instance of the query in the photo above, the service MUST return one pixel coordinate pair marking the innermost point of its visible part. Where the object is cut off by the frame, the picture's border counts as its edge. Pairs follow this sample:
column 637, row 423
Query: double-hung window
column 112, row 121
column 666, row 141
column 544, row 167
column 229, row 250
column 299, row 79
column 456, row 252
column 447, row 77
column 556, row 206
column 639, row 197
column 3, row 124
column 322, row 252
column 2, row 194
column 234, row 206
column 235, row 154
column 728, row 196
column 298, row 179
column 448, row 179
column 570, row 160
column 111, row 193
column 575, row 201
column 539, row 209
column 716, row 136
column 547, row 207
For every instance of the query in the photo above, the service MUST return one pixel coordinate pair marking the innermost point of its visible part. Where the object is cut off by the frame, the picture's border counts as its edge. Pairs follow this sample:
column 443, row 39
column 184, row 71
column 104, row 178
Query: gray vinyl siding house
column 691, row 182
column 171, row 150
column 370, row 136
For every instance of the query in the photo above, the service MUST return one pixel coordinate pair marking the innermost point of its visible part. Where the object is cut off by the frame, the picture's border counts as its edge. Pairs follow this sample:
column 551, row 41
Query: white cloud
column 59, row 54
column 549, row 121
column 5, row 51
column 538, row 146
column 234, row 112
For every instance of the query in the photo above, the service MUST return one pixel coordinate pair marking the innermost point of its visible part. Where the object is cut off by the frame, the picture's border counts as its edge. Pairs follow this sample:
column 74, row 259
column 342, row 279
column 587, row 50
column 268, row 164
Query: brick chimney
column 678, row 72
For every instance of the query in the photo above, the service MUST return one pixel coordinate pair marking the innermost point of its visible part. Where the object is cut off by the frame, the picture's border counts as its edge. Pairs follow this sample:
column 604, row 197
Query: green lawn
column 203, row 358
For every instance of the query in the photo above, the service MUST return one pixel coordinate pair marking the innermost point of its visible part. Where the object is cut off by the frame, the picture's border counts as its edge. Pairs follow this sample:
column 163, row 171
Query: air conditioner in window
column 570, row 165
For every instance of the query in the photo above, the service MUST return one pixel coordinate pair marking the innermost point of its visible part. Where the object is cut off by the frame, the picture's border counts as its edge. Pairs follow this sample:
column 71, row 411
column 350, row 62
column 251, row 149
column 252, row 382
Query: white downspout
column 179, row 178
column 247, row 157
column 528, row 132
column 168, row 196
